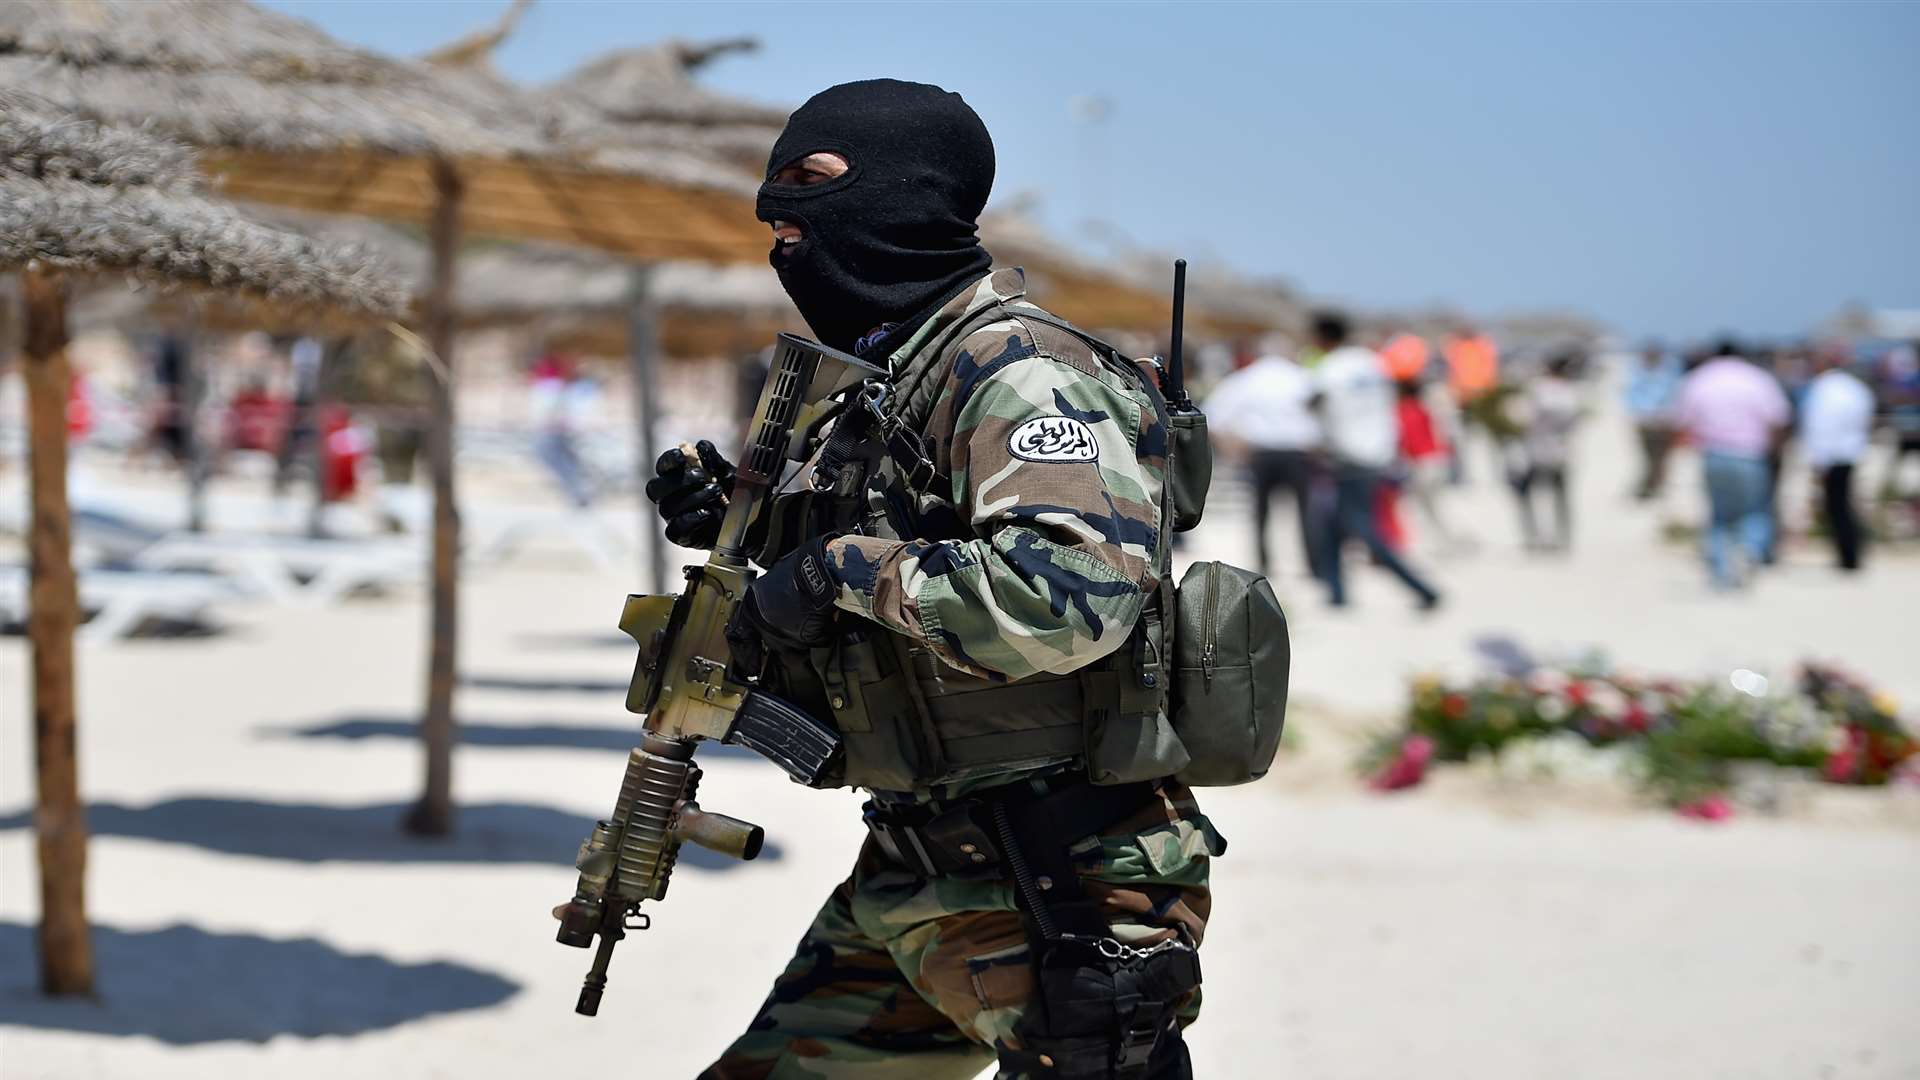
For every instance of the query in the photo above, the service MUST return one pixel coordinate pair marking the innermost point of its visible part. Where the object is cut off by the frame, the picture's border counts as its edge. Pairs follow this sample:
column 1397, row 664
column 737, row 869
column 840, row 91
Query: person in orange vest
column 1473, row 370
column 1405, row 356
column 1473, row 364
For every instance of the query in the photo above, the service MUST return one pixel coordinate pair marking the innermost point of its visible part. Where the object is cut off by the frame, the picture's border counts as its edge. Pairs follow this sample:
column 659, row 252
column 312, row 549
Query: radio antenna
column 1176, row 364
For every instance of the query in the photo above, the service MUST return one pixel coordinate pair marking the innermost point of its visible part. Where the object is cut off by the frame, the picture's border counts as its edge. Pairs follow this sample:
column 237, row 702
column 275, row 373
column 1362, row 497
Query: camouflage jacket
column 1053, row 465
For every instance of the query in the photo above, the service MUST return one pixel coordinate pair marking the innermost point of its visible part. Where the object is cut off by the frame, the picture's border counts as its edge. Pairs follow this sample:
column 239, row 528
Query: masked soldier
column 976, row 603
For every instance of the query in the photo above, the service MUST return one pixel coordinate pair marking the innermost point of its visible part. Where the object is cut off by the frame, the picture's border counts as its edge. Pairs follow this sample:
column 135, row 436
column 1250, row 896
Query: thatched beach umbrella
column 643, row 103
column 288, row 116
column 1098, row 295
column 647, row 98
column 76, row 197
column 585, row 299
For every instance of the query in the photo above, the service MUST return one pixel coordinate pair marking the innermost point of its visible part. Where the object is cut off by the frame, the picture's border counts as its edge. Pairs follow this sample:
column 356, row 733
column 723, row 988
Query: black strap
column 1040, row 831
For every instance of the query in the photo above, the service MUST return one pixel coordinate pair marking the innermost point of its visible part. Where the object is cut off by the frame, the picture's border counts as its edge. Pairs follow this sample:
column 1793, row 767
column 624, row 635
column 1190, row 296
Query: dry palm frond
column 41, row 141
column 182, row 239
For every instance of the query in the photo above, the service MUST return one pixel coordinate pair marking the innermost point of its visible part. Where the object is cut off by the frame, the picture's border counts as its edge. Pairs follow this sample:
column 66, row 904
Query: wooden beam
column 53, row 611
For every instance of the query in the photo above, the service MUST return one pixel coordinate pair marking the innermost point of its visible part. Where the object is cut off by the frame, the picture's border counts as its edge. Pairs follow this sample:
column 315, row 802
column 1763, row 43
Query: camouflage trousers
column 904, row 977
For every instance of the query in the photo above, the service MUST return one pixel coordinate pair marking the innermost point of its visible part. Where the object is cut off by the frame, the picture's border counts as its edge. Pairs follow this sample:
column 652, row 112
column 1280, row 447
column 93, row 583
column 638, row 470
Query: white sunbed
column 119, row 603
column 289, row 568
column 292, row 569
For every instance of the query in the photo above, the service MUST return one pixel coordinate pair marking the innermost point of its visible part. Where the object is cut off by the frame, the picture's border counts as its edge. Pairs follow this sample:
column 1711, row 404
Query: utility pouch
column 1106, row 1010
column 867, row 688
column 1231, row 657
column 1129, row 736
column 1189, row 464
column 787, row 520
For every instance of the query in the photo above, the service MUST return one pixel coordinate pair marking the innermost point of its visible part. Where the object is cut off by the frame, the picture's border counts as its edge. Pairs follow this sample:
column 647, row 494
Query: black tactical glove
column 791, row 605
column 691, row 493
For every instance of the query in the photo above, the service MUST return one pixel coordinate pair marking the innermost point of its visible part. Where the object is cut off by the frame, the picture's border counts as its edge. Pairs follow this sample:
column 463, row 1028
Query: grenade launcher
column 685, row 689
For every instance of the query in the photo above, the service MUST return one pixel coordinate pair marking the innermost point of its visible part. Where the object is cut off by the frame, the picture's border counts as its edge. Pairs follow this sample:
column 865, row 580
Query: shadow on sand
column 305, row 832
column 561, row 736
column 181, row 984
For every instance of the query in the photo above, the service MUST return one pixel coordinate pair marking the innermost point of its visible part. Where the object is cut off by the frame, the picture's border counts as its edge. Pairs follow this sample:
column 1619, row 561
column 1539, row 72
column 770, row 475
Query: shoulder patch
column 1053, row 438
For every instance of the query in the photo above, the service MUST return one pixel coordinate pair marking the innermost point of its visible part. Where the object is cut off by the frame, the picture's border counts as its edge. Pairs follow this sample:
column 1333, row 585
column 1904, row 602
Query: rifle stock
column 684, row 687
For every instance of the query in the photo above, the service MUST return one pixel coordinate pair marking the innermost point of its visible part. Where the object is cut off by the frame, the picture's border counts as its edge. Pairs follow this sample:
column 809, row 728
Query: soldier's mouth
column 786, row 232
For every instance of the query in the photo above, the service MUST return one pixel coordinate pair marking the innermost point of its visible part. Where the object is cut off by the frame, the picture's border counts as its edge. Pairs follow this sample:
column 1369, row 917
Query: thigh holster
column 1106, row 1010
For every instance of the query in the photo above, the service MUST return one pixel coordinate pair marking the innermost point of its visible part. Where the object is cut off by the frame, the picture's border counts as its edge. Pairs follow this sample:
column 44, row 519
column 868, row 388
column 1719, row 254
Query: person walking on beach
column 1357, row 403
column 1836, row 423
column 1551, row 406
column 1261, row 414
column 1653, row 387
column 1473, row 371
column 1021, row 548
column 1426, row 455
column 1734, row 412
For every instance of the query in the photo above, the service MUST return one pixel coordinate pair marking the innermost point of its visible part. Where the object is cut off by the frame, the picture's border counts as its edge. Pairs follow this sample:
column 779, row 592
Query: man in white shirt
column 1262, row 415
column 1836, row 422
column 1357, row 404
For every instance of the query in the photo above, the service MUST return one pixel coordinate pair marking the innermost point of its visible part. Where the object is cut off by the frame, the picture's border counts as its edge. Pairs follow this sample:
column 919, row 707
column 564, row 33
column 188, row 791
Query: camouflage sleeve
column 1052, row 466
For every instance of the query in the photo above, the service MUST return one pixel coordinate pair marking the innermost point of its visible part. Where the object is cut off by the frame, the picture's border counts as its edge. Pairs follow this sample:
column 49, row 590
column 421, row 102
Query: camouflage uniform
column 1053, row 467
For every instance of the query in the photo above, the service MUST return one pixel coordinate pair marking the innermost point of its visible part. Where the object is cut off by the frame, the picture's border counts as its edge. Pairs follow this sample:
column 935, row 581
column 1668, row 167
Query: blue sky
column 1674, row 169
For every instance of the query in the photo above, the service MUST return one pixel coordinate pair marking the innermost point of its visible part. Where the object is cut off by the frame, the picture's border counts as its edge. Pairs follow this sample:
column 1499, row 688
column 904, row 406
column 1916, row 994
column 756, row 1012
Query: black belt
column 959, row 838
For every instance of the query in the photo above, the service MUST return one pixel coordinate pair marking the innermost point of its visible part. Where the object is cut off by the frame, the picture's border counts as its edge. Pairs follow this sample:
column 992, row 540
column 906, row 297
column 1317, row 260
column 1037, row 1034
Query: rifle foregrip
column 788, row 736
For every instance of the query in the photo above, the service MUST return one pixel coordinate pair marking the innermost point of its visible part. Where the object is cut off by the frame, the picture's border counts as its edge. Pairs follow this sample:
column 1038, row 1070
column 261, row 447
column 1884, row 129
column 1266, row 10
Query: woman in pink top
column 1733, row 412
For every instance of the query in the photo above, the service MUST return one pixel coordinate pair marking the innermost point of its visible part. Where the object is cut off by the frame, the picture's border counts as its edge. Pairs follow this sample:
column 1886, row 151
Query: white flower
column 1605, row 699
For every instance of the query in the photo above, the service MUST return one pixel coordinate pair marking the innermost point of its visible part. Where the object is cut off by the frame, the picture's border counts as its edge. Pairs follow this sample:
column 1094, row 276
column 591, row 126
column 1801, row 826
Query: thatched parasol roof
column 1100, row 296
column 289, row 116
column 647, row 99
column 78, row 196
column 584, row 302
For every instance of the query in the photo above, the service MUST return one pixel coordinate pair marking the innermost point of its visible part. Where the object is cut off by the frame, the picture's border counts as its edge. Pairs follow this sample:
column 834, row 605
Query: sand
column 258, row 914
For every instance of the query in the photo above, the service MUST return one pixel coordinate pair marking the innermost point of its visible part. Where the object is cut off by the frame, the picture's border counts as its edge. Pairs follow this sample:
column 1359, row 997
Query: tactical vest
column 1197, row 691
column 910, row 721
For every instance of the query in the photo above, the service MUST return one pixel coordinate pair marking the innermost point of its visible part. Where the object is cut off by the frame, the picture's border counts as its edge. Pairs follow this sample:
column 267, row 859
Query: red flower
column 1408, row 767
column 1453, row 706
column 1710, row 808
column 1636, row 717
column 1576, row 693
column 1843, row 765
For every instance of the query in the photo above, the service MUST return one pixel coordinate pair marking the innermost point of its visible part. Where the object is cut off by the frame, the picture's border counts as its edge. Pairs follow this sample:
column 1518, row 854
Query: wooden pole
column 643, row 350
column 194, row 391
column 317, row 410
column 433, row 815
column 53, row 610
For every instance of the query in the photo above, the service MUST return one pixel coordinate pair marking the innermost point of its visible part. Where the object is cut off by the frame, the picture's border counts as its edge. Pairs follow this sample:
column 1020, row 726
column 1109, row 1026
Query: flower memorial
column 1679, row 740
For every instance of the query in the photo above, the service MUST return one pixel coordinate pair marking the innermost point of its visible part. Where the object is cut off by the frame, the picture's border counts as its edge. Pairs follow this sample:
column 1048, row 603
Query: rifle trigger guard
column 636, row 919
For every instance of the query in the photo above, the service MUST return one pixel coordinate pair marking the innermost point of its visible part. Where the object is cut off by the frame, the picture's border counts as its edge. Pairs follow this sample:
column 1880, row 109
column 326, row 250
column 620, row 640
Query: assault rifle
column 686, row 686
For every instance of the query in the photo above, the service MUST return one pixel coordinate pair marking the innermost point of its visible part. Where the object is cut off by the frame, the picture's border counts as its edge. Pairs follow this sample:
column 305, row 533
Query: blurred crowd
column 1750, row 411
column 338, row 420
column 1365, row 434
column 1361, row 432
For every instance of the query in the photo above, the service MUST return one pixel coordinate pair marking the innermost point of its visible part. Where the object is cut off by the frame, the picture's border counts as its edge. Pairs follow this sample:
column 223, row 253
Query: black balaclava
column 888, row 242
